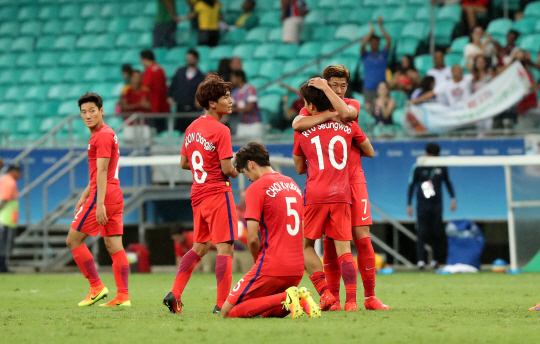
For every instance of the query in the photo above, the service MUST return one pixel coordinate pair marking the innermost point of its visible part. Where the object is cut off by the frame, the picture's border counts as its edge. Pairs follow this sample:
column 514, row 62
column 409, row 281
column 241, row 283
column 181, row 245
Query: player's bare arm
column 102, row 168
column 302, row 123
column 366, row 148
column 184, row 163
column 346, row 112
column 82, row 200
column 253, row 240
column 300, row 164
column 228, row 169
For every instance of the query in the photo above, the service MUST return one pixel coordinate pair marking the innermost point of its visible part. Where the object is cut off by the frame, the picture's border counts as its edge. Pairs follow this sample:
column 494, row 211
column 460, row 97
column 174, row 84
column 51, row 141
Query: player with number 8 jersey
column 207, row 152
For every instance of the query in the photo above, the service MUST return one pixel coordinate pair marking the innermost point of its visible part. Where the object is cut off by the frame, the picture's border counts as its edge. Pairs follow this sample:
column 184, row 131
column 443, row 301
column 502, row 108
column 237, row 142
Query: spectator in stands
column 292, row 16
column 482, row 74
column 383, row 105
column 406, row 75
column 477, row 46
column 164, row 34
column 505, row 54
column 375, row 62
column 472, row 8
column 208, row 13
column 245, row 106
column 135, row 96
column 9, row 213
column 427, row 85
column 236, row 63
column 456, row 90
column 248, row 20
column 224, row 69
column 155, row 81
column 441, row 73
column 127, row 71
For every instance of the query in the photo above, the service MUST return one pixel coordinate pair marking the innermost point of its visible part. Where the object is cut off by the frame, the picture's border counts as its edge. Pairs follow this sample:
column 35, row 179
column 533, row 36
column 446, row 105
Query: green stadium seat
column 70, row 11
column 351, row 51
column 393, row 29
column 73, row 75
column 14, row 93
column 525, row 26
column 8, row 60
column 90, row 11
column 48, row 59
column 175, row 55
column 331, row 46
column 265, row 51
column 275, row 35
column 46, row 108
column 270, row 105
column 402, row 14
column 76, row 90
column 443, row 32
column 8, row 13
column 48, row 123
column 53, row 75
column 327, row 4
column 244, row 51
column 48, row 12
column 286, row 51
column 424, row 14
column 536, row 27
column 37, row 92
column 292, row 65
column 105, row 89
column 108, row 108
column 30, row 76
column 393, row 3
column 112, row 10
column 257, row 35
column 150, row 9
column 320, row 34
column 25, row 109
column 96, row 26
column 134, row 9
column 234, row 37
column 373, row 3
column 131, row 56
column 270, row 19
column 386, row 13
column 450, row 12
column 336, row 16
column 185, row 37
column 95, row 74
column 105, row 41
column 423, row 63
column 451, row 59
column 5, row 43
column 112, row 57
column 258, row 82
column 309, row 50
column 10, row 29
column 532, row 10
column 221, row 52
column 359, row 17
column 52, row 27
column 348, row 31
column 28, row 13
column 118, row 25
column 499, row 26
column 315, row 18
column 530, row 43
column 58, row 92
column 406, row 46
column 458, row 44
column 86, row 41
column 6, row 109
column 67, row 108
column 70, row 58
column 416, row 30
column 23, row 44
column 400, row 97
column 351, row 4
column 251, row 68
column 31, row 28
column 27, row 126
column 270, row 68
column 65, row 42
column 45, row 43
column 141, row 24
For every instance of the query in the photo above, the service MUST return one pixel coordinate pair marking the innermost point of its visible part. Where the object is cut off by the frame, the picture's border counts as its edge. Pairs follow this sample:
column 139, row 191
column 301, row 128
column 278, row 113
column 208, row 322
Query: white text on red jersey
column 280, row 186
column 197, row 137
column 328, row 125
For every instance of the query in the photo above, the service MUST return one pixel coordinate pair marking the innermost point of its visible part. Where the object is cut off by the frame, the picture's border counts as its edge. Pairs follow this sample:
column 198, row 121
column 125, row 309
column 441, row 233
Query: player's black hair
column 314, row 96
column 126, row 68
column 239, row 73
column 90, row 97
column 148, row 55
column 193, row 52
column 253, row 151
column 515, row 33
column 433, row 148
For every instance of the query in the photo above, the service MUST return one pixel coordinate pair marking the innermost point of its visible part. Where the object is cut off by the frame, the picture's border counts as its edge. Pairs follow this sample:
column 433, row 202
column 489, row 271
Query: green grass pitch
column 425, row 308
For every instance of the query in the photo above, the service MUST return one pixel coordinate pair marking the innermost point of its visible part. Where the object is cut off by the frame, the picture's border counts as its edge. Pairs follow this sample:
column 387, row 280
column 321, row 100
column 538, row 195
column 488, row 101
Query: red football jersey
column 356, row 173
column 327, row 148
column 181, row 249
column 104, row 144
column 155, row 81
column 206, row 143
column 276, row 202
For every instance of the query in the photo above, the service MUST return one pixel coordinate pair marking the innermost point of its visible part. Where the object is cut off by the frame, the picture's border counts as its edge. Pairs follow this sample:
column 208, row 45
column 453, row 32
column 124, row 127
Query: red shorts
column 85, row 220
column 482, row 3
column 214, row 219
column 360, row 212
column 332, row 220
column 252, row 286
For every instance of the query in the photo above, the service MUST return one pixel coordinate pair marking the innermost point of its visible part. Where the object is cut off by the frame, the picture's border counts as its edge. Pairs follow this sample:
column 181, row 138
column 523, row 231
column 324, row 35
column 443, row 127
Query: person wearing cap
column 9, row 212
column 429, row 207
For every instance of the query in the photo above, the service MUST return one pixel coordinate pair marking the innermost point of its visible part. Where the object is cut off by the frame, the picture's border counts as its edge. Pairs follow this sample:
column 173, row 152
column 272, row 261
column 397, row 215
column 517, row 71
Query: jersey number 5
column 294, row 213
column 317, row 141
column 197, row 165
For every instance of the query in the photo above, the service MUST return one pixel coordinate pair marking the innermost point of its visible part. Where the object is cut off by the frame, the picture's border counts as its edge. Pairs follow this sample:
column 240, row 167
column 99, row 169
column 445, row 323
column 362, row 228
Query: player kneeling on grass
column 273, row 208
column 327, row 199
column 100, row 208
column 207, row 152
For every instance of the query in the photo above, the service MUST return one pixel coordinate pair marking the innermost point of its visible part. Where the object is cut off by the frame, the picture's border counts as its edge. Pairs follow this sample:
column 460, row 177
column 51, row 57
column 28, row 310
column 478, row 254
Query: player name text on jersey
column 197, row 137
column 280, row 186
column 328, row 125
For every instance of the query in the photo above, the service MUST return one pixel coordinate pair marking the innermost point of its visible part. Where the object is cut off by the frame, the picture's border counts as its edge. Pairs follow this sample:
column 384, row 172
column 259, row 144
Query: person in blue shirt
column 375, row 62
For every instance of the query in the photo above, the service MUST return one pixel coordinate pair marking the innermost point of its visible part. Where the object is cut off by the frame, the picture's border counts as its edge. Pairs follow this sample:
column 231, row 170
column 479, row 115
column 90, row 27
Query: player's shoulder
column 351, row 101
column 105, row 132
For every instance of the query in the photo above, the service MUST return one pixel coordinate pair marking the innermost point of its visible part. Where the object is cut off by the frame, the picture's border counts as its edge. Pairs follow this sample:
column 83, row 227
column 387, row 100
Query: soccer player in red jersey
column 334, row 84
column 273, row 209
column 100, row 208
column 327, row 198
column 207, row 152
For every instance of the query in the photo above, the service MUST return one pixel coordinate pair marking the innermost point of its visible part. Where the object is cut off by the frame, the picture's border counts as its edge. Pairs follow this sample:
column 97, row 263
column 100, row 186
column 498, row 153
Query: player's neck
column 262, row 170
column 214, row 113
column 96, row 127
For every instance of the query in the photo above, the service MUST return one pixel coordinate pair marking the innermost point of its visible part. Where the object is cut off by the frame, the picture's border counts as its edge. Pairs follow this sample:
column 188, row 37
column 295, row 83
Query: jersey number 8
column 197, row 165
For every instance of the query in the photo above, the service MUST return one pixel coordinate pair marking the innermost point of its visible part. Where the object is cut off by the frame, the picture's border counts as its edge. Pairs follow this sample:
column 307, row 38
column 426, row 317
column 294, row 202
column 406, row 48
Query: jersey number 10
column 317, row 141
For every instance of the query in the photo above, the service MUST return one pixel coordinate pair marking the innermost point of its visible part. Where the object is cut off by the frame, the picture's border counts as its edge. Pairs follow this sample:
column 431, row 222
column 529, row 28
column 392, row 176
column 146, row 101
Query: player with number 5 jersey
column 207, row 152
column 99, row 209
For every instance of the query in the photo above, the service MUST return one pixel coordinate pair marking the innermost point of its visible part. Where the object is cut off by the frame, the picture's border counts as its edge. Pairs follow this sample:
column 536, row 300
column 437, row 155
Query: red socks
column 85, row 262
column 223, row 278
column 267, row 306
column 319, row 282
column 120, row 268
column 366, row 264
column 187, row 264
column 348, row 271
column 331, row 267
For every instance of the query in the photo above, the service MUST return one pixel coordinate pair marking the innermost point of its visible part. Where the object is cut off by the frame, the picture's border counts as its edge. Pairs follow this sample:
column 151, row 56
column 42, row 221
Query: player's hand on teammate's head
column 318, row 83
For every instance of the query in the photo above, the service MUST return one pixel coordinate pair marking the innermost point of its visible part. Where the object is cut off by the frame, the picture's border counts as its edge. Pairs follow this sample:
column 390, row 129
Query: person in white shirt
column 441, row 73
column 455, row 91
column 478, row 45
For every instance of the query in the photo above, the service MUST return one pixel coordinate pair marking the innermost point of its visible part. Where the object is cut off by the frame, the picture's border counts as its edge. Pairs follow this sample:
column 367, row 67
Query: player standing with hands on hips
column 100, row 208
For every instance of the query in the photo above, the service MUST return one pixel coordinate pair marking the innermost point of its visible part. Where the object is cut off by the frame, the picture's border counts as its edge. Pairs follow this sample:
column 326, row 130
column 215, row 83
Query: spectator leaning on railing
column 456, row 90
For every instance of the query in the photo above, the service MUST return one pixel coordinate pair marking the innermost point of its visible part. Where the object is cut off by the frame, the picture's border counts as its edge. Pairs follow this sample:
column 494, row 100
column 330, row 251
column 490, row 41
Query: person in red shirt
column 155, row 81
column 183, row 242
column 273, row 209
column 334, row 84
column 327, row 199
column 207, row 152
column 135, row 96
column 100, row 208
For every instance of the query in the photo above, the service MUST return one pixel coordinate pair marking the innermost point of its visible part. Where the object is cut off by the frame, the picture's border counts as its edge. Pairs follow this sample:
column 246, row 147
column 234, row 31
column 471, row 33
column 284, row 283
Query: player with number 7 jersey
column 207, row 152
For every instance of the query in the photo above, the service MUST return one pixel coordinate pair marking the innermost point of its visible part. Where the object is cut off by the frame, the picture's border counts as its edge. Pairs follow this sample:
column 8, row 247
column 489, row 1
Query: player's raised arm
column 228, row 169
column 184, row 163
column 346, row 112
column 304, row 122
column 102, row 168
column 253, row 240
